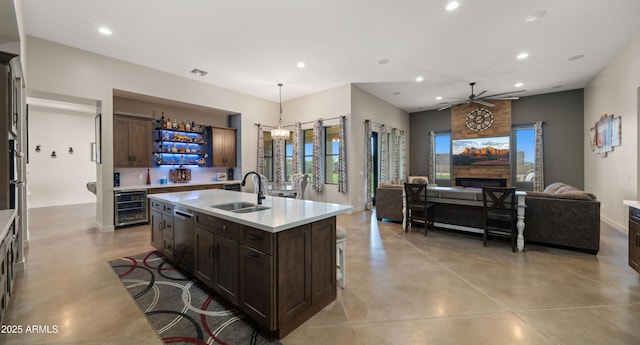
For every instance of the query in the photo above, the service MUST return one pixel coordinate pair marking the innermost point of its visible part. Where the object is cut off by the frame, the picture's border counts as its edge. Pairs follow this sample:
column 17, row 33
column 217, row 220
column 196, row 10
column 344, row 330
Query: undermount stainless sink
column 241, row 207
column 251, row 209
column 233, row 205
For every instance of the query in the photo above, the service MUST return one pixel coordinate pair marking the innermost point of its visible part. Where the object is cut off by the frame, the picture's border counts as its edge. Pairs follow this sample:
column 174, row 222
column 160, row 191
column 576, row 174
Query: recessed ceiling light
column 452, row 5
column 300, row 64
column 397, row 93
column 419, row 78
column 576, row 57
column 518, row 85
column 557, row 86
column 199, row 72
column 535, row 16
column 523, row 56
column 439, row 98
column 383, row 61
column 105, row 30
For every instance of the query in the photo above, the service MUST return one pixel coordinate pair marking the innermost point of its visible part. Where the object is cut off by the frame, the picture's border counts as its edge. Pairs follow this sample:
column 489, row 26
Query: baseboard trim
column 623, row 229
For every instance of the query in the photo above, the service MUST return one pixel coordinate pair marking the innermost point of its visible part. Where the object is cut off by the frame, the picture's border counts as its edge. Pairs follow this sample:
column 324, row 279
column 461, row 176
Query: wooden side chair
column 417, row 207
column 500, row 213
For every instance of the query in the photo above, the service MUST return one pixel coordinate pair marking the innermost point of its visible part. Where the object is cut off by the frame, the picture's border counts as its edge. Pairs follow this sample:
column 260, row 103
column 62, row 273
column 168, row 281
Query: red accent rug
column 180, row 310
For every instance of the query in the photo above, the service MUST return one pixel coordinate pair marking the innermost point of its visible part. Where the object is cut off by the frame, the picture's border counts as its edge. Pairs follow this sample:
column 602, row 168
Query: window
column 307, row 148
column 268, row 155
column 331, row 154
column 442, row 162
column 524, row 161
column 288, row 157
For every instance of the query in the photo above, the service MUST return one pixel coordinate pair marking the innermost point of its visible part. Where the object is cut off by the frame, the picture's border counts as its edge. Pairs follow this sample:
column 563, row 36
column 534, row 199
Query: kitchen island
column 276, row 261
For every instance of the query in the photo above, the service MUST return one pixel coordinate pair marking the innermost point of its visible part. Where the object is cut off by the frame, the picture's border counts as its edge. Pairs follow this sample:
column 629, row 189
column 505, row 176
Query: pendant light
column 280, row 133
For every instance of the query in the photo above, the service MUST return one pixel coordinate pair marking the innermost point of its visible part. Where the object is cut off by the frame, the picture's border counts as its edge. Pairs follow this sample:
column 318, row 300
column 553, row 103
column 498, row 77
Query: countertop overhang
column 283, row 213
column 6, row 218
column 632, row 203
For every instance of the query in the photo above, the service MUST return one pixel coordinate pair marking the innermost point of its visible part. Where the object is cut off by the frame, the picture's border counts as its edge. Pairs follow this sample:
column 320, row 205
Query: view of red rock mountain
column 481, row 156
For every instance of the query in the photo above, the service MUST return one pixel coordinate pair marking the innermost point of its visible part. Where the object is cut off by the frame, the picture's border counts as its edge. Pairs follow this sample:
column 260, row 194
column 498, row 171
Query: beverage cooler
column 131, row 207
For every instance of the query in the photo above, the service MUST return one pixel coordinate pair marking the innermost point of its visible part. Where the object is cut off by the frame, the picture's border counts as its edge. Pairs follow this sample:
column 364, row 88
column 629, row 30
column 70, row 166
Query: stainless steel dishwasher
column 184, row 252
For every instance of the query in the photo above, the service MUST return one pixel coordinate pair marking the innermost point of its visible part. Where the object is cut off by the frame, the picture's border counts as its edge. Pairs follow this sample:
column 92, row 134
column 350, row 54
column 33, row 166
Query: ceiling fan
column 480, row 99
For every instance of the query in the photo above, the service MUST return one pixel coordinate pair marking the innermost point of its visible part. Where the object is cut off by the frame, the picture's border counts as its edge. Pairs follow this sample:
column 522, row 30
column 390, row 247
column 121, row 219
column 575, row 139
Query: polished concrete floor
column 401, row 288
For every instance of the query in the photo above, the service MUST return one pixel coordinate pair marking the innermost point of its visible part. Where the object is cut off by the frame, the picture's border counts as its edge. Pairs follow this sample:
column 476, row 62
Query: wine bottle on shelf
column 148, row 177
column 164, row 123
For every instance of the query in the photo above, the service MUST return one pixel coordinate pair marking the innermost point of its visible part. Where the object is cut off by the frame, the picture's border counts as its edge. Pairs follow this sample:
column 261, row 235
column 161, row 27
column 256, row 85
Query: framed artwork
column 93, row 151
column 606, row 134
column 98, row 149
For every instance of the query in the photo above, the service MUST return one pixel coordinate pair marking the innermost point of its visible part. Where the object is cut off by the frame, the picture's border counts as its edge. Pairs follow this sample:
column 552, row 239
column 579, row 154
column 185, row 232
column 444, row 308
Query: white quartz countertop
column 171, row 185
column 632, row 203
column 6, row 217
column 283, row 213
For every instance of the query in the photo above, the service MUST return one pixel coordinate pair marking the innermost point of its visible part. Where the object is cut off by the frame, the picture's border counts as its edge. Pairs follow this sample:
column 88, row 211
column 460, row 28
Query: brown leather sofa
column 563, row 216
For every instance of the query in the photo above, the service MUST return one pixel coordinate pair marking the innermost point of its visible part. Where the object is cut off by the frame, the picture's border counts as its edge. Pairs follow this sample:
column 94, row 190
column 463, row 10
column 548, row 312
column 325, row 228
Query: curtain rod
column 303, row 123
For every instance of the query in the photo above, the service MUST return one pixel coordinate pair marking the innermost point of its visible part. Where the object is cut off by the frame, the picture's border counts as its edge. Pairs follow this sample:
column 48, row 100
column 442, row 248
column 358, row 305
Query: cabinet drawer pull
column 255, row 237
column 210, row 252
column 637, row 240
column 224, row 227
column 254, row 254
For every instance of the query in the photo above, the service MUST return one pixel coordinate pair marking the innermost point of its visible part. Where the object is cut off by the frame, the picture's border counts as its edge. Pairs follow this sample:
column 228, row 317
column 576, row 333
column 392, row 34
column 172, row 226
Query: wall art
column 606, row 134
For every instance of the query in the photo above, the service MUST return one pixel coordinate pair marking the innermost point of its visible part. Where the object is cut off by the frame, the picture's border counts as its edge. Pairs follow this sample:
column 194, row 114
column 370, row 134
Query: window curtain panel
column 403, row 155
column 538, row 178
column 431, row 174
column 317, row 156
column 278, row 162
column 342, row 156
column 369, row 165
column 295, row 156
column 384, row 155
column 395, row 156
column 260, row 163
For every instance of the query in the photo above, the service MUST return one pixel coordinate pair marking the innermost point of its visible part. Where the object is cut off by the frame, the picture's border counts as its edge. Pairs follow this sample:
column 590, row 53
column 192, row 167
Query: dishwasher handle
column 182, row 213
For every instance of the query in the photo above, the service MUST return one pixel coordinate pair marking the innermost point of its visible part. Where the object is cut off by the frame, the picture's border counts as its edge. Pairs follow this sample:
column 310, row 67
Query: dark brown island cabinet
column 278, row 279
column 634, row 238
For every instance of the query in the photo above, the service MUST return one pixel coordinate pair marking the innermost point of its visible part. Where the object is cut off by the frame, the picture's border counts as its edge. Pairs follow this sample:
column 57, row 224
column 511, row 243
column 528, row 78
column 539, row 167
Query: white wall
column 325, row 104
column 615, row 91
column 64, row 70
column 357, row 105
column 62, row 180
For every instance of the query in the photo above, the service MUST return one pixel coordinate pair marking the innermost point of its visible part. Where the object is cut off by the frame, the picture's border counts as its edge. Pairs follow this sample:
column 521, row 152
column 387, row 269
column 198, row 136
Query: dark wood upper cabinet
column 132, row 141
column 224, row 147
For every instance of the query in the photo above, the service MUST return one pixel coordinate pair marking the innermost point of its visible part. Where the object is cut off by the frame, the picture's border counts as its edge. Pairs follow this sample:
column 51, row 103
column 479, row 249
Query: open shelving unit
column 181, row 147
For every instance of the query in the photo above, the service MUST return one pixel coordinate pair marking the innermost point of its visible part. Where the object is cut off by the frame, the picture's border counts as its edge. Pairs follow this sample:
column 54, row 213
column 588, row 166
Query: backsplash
column 138, row 176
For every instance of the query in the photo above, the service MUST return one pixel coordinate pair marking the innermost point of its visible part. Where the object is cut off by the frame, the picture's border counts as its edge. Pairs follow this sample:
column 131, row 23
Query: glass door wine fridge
column 130, row 207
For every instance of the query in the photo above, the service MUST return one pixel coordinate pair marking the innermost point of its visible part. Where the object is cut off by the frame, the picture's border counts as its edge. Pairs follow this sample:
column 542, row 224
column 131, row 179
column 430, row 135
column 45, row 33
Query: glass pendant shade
column 280, row 133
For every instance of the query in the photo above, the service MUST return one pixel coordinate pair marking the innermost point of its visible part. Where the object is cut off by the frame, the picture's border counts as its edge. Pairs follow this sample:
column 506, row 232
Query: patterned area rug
column 180, row 311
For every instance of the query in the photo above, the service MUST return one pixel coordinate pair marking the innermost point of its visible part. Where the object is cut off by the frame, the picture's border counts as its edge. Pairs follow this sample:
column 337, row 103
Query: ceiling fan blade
column 481, row 93
column 503, row 93
column 486, row 104
column 506, row 98
column 445, row 107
